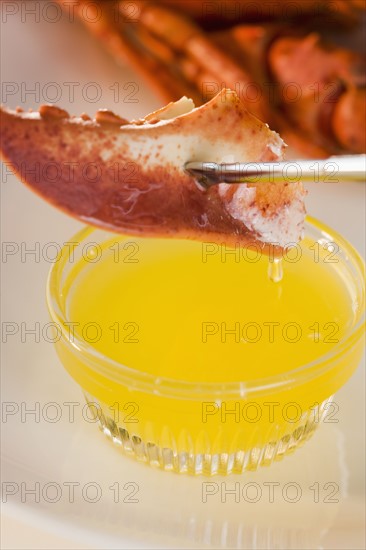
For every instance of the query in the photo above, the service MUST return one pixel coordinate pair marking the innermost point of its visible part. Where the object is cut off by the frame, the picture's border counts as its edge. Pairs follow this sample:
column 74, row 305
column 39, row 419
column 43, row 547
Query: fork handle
column 331, row 170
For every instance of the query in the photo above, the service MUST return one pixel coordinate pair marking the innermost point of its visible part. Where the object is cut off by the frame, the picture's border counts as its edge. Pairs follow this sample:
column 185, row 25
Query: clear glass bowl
column 174, row 428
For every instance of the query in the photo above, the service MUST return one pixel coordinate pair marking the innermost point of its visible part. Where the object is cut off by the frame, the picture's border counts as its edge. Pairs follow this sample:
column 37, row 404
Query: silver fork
column 331, row 170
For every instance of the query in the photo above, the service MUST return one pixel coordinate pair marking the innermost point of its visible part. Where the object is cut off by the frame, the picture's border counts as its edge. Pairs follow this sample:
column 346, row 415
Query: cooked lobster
column 312, row 92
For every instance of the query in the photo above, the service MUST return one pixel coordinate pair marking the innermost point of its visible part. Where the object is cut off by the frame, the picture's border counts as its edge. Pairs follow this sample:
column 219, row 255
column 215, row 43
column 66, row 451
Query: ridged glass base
column 207, row 464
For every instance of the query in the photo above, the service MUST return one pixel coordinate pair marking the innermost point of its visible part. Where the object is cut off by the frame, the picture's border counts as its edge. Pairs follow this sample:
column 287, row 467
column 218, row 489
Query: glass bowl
column 202, row 427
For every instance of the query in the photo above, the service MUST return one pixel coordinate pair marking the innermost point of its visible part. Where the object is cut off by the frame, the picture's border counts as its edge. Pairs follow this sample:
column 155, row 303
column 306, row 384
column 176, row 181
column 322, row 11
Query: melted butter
column 275, row 270
column 236, row 324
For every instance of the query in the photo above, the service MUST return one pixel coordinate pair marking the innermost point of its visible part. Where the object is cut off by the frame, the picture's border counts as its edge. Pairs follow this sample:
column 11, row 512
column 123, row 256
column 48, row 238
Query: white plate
column 169, row 512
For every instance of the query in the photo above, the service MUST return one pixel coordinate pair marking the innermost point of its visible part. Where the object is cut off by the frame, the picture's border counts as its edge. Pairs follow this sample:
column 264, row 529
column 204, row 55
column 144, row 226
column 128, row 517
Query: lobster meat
column 129, row 177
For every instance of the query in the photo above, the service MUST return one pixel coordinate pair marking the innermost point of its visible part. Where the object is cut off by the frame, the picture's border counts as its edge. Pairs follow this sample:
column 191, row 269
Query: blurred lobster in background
column 273, row 54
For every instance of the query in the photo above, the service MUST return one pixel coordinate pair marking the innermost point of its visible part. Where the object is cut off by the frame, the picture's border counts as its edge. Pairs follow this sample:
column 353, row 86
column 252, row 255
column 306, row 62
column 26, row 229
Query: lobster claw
column 130, row 177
